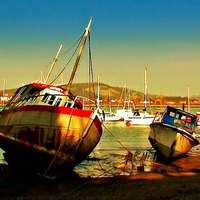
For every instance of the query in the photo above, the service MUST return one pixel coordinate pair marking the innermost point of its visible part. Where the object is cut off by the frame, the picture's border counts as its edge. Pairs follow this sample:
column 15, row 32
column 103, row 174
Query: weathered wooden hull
column 169, row 141
column 48, row 140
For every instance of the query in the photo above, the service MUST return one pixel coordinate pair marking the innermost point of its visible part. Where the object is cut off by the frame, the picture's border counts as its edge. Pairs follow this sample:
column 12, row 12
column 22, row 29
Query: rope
column 58, row 150
column 115, row 138
column 44, row 68
column 129, row 158
column 79, row 42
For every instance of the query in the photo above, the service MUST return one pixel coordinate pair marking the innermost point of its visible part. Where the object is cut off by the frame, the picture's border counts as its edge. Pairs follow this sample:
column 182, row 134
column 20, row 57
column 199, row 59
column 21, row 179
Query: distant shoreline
column 115, row 105
column 155, row 105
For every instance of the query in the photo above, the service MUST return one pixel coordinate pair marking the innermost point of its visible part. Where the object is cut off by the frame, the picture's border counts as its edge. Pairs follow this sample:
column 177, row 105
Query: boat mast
column 4, row 91
column 109, row 99
column 188, row 95
column 145, row 89
column 98, row 93
column 125, row 99
column 53, row 64
column 79, row 56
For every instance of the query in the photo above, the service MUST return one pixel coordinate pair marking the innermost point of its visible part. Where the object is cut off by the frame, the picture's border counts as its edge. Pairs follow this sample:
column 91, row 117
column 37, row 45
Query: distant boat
column 137, row 118
column 105, row 116
column 123, row 112
column 4, row 97
column 174, row 135
column 110, row 116
column 44, row 128
column 140, row 119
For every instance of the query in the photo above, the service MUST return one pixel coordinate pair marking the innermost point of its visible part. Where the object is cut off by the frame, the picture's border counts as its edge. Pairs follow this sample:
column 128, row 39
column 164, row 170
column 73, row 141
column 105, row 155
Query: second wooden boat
column 174, row 135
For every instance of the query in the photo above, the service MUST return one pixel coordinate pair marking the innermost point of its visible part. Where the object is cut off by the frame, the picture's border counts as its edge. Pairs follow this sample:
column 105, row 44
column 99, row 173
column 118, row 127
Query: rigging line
column 116, row 138
column 60, row 146
column 78, row 41
column 102, row 168
column 45, row 68
column 121, row 96
column 16, row 95
column 68, row 61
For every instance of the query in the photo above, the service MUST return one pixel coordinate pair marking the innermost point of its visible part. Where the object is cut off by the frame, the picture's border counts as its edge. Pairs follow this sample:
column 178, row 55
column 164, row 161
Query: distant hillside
column 117, row 93
column 105, row 90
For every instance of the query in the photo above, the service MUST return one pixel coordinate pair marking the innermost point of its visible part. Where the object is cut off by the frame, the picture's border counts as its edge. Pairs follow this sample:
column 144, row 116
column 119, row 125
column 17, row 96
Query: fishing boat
column 174, row 135
column 45, row 129
column 141, row 118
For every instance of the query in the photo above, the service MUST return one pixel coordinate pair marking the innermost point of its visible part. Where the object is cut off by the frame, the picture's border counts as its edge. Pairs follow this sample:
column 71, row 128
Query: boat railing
column 57, row 100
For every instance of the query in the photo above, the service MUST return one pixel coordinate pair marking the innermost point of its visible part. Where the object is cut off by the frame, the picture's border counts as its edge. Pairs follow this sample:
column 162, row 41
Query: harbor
column 109, row 169
column 113, row 115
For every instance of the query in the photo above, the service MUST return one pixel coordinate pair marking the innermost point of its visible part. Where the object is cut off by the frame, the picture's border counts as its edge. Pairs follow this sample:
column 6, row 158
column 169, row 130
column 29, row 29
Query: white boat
column 44, row 128
column 122, row 113
column 138, row 118
column 174, row 135
column 111, row 117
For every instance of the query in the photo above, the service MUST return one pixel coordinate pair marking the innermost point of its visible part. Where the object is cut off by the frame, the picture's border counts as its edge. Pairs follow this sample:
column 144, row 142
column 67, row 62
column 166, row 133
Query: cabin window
column 169, row 117
column 172, row 114
column 68, row 104
column 51, row 100
column 58, row 101
column 44, row 99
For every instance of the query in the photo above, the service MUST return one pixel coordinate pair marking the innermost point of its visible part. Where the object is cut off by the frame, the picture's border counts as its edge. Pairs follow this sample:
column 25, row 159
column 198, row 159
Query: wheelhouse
column 180, row 118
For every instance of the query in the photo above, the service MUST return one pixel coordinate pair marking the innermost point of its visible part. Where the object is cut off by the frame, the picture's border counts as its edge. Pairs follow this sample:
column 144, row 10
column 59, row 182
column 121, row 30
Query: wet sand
column 181, row 180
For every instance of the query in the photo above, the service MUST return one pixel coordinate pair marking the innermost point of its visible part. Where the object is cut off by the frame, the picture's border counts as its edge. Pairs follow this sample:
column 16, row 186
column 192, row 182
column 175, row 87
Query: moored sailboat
column 137, row 118
column 122, row 113
column 44, row 128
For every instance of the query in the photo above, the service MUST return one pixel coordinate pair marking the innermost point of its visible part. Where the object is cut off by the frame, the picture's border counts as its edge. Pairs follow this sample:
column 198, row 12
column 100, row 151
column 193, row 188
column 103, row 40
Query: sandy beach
column 144, row 186
column 164, row 182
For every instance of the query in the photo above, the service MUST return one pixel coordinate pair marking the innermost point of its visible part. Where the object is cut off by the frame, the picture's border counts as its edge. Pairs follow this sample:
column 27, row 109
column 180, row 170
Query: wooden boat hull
column 48, row 140
column 169, row 141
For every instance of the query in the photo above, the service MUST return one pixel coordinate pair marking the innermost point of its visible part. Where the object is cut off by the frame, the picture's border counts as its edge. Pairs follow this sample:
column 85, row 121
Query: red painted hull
column 48, row 140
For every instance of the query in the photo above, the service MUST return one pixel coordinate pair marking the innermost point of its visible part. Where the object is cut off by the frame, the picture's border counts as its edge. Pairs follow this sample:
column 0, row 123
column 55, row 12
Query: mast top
column 87, row 29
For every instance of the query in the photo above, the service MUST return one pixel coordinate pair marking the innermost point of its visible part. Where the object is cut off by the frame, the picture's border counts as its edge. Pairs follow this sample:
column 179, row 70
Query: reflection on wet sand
column 182, row 166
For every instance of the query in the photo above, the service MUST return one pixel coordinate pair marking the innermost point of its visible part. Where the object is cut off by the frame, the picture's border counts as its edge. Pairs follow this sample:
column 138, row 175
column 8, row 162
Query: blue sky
column 127, row 36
